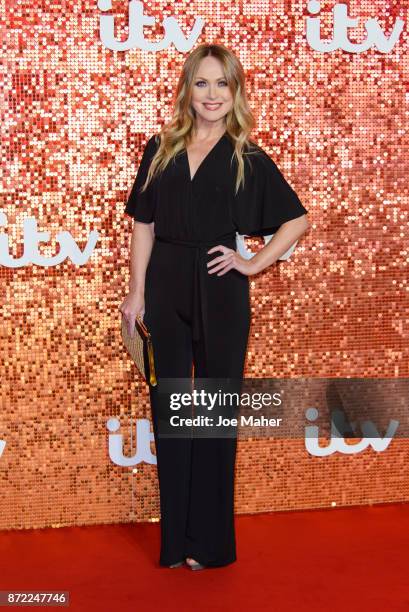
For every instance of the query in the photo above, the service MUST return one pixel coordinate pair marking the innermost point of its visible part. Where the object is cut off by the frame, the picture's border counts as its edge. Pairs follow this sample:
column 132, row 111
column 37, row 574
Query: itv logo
column 342, row 22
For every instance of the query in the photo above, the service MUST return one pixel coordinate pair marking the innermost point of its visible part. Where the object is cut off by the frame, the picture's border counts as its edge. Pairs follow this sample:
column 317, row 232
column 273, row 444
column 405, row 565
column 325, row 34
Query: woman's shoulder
column 153, row 141
column 150, row 148
column 250, row 149
column 258, row 159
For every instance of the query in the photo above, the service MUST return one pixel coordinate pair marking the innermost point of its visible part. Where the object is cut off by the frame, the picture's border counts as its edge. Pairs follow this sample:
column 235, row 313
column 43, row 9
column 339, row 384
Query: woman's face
column 211, row 95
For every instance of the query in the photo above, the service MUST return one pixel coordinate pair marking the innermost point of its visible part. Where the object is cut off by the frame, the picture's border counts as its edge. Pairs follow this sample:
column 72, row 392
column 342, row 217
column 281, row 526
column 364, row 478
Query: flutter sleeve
column 141, row 206
column 267, row 200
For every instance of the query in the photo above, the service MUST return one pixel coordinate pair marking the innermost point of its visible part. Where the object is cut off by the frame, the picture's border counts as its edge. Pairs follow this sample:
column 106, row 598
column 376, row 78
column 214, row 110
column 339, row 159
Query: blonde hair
column 175, row 135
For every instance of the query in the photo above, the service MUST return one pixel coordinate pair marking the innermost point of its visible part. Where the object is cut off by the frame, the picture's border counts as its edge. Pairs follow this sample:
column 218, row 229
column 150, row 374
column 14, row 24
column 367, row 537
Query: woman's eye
column 220, row 82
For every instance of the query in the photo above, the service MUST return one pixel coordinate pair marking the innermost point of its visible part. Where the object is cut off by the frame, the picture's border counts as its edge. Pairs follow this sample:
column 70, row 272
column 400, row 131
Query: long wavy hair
column 177, row 134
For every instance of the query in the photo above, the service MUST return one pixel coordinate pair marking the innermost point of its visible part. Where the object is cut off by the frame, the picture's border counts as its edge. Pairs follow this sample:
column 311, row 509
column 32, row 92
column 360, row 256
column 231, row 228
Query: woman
column 199, row 182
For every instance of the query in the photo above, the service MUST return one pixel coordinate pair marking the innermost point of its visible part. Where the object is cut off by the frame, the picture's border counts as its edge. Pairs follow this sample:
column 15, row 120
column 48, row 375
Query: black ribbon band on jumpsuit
column 200, row 314
column 196, row 475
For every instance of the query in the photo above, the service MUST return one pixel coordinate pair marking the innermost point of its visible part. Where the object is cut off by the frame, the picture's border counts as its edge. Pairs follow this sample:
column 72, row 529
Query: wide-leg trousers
column 199, row 324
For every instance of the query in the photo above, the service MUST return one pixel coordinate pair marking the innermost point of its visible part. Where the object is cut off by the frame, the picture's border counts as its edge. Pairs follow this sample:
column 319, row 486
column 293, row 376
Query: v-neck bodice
column 206, row 206
column 195, row 208
column 208, row 154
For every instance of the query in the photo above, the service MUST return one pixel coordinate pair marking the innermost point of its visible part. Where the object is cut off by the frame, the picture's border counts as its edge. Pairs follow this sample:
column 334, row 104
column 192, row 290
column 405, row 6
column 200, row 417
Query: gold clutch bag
column 139, row 345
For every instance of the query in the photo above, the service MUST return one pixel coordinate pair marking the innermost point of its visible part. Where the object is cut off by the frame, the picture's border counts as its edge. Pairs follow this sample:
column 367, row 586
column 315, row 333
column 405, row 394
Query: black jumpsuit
column 201, row 319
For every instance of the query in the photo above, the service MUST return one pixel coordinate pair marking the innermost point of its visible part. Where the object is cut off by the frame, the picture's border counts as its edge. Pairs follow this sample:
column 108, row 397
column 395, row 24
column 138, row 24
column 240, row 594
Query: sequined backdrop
column 75, row 117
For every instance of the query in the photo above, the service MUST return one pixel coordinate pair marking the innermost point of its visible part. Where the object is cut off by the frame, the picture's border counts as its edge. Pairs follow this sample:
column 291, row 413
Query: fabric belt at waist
column 200, row 313
column 226, row 239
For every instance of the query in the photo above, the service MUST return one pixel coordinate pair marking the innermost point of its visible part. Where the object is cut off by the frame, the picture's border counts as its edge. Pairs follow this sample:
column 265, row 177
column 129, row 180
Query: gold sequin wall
column 75, row 116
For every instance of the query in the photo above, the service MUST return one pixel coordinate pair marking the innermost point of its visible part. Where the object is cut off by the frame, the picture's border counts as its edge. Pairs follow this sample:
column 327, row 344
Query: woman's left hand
column 229, row 260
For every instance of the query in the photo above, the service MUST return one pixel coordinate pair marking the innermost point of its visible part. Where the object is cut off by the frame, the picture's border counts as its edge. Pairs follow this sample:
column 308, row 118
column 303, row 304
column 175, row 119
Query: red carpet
column 347, row 560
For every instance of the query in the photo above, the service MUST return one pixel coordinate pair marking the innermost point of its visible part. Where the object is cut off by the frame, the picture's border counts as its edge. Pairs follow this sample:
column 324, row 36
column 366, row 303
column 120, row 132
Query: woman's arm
column 140, row 252
column 283, row 239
